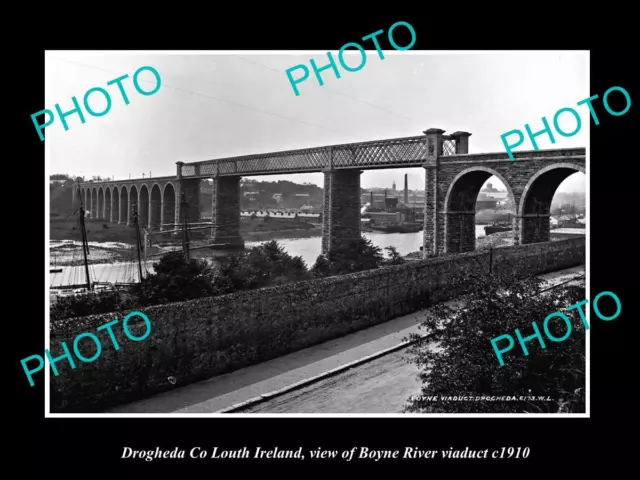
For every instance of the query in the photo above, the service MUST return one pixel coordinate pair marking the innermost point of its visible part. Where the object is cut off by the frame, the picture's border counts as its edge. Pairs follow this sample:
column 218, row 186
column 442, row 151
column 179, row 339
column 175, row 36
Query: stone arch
column 133, row 202
column 143, row 206
column 155, row 207
column 115, row 205
column 94, row 203
column 124, row 205
column 534, row 208
column 169, row 205
column 107, row 204
column 100, row 209
column 460, row 207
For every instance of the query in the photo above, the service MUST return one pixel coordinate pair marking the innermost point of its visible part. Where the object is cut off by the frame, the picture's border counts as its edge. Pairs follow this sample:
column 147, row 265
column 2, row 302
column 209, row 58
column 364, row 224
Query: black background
column 74, row 448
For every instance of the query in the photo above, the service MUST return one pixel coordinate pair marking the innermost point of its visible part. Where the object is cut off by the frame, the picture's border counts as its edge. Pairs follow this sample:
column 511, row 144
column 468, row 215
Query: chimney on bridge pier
column 462, row 141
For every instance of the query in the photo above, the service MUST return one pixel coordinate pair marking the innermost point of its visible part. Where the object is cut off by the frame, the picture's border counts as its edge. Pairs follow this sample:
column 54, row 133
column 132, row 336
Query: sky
column 221, row 105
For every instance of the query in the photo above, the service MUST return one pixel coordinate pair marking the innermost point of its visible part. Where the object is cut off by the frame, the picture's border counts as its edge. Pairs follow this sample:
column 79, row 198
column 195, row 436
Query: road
column 382, row 385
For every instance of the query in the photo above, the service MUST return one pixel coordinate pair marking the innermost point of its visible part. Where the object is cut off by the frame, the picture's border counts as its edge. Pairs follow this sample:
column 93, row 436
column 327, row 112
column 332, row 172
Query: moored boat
column 489, row 229
column 397, row 228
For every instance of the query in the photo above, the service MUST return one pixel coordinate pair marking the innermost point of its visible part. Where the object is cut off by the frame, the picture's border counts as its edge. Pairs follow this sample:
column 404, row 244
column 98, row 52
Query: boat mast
column 85, row 243
column 147, row 244
column 184, row 206
column 138, row 246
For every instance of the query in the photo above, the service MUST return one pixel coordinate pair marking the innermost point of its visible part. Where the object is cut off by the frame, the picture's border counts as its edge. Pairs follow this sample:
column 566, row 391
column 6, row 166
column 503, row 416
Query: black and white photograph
column 379, row 233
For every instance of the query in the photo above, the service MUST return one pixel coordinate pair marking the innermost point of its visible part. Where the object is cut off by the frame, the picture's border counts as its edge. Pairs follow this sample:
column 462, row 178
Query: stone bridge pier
column 341, row 208
column 226, row 211
column 225, row 206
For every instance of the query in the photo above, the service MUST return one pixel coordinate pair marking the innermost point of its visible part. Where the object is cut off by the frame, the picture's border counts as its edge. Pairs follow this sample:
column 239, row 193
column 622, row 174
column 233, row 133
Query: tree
column 357, row 255
column 322, row 267
column 394, row 257
column 59, row 176
column 465, row 363
column 265, row 265
column 174, row 280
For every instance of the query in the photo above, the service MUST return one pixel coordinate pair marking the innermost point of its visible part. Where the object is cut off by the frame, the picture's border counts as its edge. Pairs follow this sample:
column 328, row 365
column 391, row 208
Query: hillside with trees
column 282, row 194
column 60, row 199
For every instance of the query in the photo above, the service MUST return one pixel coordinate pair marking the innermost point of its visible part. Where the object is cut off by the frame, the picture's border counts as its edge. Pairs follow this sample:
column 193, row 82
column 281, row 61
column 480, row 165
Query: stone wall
column 541, row 257
column 194, row 340
column 535, row 228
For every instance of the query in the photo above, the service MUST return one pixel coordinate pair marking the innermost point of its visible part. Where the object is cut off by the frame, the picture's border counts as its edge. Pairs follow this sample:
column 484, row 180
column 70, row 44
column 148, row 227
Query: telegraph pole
column 138, row 244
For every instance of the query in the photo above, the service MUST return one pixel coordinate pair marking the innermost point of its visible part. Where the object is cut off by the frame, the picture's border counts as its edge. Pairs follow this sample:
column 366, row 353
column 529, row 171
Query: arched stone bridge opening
column 114, row 202
column 531, row 185
column 453, row 179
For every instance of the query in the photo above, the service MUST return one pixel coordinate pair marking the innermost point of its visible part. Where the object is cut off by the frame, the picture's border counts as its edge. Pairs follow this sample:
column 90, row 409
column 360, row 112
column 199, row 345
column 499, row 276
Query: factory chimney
column 406, row 190
column 371, row 197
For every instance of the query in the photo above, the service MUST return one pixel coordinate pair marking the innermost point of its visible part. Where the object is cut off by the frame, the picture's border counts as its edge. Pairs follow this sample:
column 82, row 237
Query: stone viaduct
column 453, row 179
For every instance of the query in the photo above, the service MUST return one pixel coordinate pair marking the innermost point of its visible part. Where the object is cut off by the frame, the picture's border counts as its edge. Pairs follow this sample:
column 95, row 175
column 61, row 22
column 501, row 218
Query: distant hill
column 576, row 198
column 265, row 194
column 60, row 203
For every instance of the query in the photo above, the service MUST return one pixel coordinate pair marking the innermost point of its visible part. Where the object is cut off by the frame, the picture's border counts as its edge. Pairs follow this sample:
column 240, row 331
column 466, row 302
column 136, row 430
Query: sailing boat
column 55, row 269
column 90, row 285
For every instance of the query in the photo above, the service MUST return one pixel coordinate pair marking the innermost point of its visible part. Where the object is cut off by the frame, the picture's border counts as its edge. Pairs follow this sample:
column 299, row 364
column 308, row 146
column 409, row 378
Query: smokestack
column 406, row 190
column 371, row 196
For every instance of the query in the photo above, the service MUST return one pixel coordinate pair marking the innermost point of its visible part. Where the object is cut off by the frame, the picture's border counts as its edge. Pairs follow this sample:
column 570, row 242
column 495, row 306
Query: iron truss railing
column 448, row 146
column 409, row 151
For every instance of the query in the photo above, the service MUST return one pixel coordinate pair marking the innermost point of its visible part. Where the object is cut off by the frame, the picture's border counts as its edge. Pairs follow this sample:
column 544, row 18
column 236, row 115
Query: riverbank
column 98, row 231
column 113, row 243
column 297, row 242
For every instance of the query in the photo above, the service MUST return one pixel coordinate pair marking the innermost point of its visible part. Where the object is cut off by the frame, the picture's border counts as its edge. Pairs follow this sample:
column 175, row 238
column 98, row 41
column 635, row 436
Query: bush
column 175, row 280
column 462, row 360
column 322, row 267
column 356, row 256
column 265, row 265
column 394, row 257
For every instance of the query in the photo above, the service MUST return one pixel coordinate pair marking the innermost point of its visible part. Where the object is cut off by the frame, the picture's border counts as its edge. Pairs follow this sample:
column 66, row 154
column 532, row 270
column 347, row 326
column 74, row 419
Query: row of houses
column 301, row 216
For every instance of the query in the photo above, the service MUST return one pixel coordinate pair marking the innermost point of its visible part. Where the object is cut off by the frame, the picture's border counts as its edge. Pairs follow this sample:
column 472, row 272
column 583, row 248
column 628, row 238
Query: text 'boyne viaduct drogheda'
column 453, row 178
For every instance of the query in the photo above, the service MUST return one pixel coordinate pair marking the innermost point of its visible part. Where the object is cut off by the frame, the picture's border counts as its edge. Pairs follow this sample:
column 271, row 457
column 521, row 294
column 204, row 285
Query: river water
column 307, row 248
